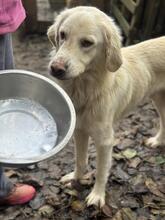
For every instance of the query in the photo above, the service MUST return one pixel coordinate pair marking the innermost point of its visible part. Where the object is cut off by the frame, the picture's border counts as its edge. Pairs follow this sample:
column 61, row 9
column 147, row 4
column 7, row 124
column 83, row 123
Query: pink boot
column 20, row 194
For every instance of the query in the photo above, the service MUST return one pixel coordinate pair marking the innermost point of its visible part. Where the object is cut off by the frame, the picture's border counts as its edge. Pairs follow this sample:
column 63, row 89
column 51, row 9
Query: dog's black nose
column 58, row 71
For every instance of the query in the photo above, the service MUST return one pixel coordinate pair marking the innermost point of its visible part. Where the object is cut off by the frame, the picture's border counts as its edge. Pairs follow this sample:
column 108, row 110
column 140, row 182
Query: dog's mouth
column 64, row 73
column 60, row 75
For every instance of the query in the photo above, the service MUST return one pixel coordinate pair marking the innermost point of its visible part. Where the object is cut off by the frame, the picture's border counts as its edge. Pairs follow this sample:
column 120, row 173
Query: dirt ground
column 136, row 186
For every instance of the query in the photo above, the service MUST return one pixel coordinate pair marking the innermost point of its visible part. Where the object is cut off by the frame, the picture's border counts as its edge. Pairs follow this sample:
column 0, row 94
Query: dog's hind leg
column 81, row 152
column 159, row 139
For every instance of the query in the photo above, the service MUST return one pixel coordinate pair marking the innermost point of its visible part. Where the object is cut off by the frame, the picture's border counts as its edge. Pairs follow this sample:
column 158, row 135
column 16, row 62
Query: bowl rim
column 63, row 142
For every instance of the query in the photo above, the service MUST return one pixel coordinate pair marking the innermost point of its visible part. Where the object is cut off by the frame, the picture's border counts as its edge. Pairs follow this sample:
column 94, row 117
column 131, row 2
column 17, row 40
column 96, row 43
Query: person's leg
column 2, row 52
column 11, row 194
column 9, row 60
column 5, row 46
column 5, row 184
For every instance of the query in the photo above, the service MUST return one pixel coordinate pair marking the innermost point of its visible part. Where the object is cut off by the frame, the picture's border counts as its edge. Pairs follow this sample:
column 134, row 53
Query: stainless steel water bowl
column 25, row 85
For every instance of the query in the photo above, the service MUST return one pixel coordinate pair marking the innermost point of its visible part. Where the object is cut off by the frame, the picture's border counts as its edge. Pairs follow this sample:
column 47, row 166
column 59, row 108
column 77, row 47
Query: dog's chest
column 90, row 101
column 80, row 93
column 89, row 112
column 87, row 103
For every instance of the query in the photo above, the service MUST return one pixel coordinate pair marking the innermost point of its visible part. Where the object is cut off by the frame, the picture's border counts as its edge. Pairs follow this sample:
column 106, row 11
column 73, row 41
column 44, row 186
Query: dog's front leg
column 81, row 153
column 104, row 160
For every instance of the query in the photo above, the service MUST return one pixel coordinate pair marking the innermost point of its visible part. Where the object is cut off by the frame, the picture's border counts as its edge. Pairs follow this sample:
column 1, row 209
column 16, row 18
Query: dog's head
column 84, row 39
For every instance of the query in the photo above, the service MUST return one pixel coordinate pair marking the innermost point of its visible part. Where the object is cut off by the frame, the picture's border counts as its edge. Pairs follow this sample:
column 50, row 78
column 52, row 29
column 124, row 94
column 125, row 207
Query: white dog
column 104, row 82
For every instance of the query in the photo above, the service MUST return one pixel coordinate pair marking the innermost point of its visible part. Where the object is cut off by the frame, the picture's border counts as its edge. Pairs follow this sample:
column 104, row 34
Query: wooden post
column 31, row 12
column 159, row 28
column 135, row 22
column 151, row 12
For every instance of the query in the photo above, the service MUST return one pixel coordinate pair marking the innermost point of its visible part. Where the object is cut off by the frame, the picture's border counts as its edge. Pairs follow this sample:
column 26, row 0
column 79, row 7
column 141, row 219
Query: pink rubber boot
column 20, row 194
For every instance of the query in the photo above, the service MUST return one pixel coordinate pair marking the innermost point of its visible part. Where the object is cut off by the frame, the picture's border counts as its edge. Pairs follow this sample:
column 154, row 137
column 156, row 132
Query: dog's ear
column 112, row 45
column 51, row 34
column 53, row 30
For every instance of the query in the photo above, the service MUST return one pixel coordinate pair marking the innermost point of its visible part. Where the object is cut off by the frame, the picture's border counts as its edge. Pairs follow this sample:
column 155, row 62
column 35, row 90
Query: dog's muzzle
column 58, row 70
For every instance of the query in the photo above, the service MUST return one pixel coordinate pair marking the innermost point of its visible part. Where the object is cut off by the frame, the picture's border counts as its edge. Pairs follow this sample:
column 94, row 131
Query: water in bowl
column 27, row 129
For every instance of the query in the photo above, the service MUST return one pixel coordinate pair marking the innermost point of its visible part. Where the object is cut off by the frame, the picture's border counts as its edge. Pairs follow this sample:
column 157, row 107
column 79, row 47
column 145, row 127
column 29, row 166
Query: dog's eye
column 62, row 35
column 86, row 43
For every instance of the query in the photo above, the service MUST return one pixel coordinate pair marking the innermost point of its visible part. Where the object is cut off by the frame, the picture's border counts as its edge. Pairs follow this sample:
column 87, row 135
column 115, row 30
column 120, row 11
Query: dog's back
column 153, row 51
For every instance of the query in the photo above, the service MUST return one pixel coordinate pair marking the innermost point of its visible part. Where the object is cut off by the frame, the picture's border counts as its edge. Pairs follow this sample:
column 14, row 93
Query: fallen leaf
column 132, row 171
column 160, row 160
column 158, row 212
column 54, row 189
column 137, row 184
column 134, row 162
column 161, row 185
column 52, row 199
column 118, row 216
column 37, row 202
column 159, row 199
column 113, row 197
column 89, row 175
column 34, row 181
column 129, row 202
column 11, row 214
column 11, row 173
column 150, row 160
column 78, row 206
column 125, row 214
column 139, row 188
column 118, row 156
column 71, row 192
column 125, row 143
column 129, row 153
column 162, row 205
column 148, row 201
column 46, row 211
column 128, row 214
column 121, row 175
column 153, row 217
column 142, row 218
column 107, row 211
column 153, row 187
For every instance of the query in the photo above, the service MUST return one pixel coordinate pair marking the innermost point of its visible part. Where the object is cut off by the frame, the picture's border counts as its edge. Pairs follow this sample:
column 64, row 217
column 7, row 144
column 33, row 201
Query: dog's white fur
column 105, row 82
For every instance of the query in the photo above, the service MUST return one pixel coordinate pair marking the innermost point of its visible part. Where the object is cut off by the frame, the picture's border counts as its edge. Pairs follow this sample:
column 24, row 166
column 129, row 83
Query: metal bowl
column 20, row 84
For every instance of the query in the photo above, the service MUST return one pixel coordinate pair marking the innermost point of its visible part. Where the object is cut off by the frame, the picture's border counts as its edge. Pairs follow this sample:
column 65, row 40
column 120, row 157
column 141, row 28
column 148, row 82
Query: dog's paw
column 67, row 178
column 96, row 198
column 87, row 179
column 153, row 142
column 84, row 180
